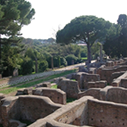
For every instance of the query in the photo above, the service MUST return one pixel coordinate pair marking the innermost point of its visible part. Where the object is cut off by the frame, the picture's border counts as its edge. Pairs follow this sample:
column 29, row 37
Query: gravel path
column 17, row 80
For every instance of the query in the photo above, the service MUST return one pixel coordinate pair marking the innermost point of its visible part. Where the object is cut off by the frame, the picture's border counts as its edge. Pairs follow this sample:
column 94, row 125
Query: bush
column 26, row 66
column 79, row 61
column 83, row 54
column 63, row 61
column 71, row 59
column 43, row 65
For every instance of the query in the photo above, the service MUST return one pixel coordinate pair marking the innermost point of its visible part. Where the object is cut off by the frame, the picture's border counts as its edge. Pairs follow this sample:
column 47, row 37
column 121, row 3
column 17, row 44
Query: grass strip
column 84, row 58
column 54, row 87
column 13, row 89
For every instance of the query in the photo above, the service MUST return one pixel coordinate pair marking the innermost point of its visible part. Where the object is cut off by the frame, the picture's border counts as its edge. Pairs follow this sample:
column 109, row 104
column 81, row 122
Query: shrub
column 71, row 59
column 63, row 61
column 26, row 66
column 43, row 65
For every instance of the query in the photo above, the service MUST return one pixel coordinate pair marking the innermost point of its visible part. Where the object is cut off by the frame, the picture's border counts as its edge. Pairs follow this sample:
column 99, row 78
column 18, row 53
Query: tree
column 11, row 58
column 33, row 54
column 116, row 45
column 87, row 29
column 43, row 65
column 26, row 66
column 13, row 15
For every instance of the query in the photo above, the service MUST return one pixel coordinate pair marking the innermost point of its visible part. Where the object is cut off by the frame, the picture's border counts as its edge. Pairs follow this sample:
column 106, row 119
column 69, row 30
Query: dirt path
column 18, row 80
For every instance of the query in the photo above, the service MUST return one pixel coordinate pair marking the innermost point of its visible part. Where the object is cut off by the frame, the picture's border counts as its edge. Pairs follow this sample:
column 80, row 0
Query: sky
column 52, row 15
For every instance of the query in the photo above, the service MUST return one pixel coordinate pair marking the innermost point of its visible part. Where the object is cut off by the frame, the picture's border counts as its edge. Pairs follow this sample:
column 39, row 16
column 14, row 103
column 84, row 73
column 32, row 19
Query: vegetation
column 54, row 87
column 38, row 55
column 70, row 100
column 13, row 15
column 115, row 45
column 87, row 29
column 29, row 84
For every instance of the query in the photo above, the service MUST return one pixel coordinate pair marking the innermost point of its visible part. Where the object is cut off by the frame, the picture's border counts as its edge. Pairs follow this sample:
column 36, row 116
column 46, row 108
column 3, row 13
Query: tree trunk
column 0, row 51
column 89, row 53
column 36, row 68
column 52, row 64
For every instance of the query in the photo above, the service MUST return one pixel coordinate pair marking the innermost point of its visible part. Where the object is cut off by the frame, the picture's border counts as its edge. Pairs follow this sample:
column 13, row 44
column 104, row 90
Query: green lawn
column 84, row 58
column 13, row 89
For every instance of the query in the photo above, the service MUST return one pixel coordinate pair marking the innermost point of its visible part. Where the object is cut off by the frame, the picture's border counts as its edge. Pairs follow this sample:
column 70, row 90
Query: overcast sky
column 54, row 14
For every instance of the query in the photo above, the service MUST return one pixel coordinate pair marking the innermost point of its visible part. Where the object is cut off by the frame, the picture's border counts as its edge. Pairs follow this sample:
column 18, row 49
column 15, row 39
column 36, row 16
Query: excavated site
column 100, row 100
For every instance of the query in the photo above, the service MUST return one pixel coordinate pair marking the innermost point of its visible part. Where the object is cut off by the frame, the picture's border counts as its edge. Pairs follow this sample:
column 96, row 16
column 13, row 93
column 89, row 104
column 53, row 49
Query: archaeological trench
column 100, row 100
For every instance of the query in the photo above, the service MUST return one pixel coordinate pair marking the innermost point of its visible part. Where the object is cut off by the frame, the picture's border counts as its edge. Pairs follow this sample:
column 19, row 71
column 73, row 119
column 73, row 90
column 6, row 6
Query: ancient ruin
column 100, row 93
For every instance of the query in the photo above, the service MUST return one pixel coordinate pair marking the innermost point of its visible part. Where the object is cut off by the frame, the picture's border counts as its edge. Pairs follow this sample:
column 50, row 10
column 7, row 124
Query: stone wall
column 123, row 83
column 26, row 107
column 24, row 91
column 86, row 112
column 70, row 115
column 116, row 75
column 1, row 97
column 96, row 84
column 56, row 95
column 106, row 72
column 95, row 92
column 109, row 93
column 78, row 77
column 89, row 77
column 117, row 81
column 106, row 114
column 70, row 87
column 117, row 94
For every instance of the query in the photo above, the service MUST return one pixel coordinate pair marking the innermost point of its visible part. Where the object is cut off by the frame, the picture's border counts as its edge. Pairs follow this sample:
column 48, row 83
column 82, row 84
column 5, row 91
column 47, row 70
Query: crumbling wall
column 78, row 77
column 106, row 114
column 56, row 95
column 75, row 113
column 70, row 87
column 35, row 107
column 123, row 83
column 117, row 81
column 116, row 75
column 109, row 93
column 1, row 97
column 106, row 72
column 9, row 109
column 96, row 84
column 117, row 94
column 89, row 77
column 26, row 107
column 95, row 92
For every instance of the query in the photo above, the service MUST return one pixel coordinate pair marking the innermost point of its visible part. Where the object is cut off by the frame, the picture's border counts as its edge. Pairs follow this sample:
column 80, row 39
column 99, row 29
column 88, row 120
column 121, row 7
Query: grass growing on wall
column 54, row 87
column 13, row 89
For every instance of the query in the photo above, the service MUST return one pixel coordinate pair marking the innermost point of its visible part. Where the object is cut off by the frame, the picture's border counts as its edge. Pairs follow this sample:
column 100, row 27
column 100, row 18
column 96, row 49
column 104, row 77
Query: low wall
column 95, row 92
column 56, row 95
column 89, row 77
column 26, row 107
column 117, row 81
column 1, row 97
column 86, row 112
column 109, row 93
column 97, row 84
column 117, row 94
column 106, row 114
column 106, row 72
column 70, row 115
column 70, row 87
column 123, row 83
